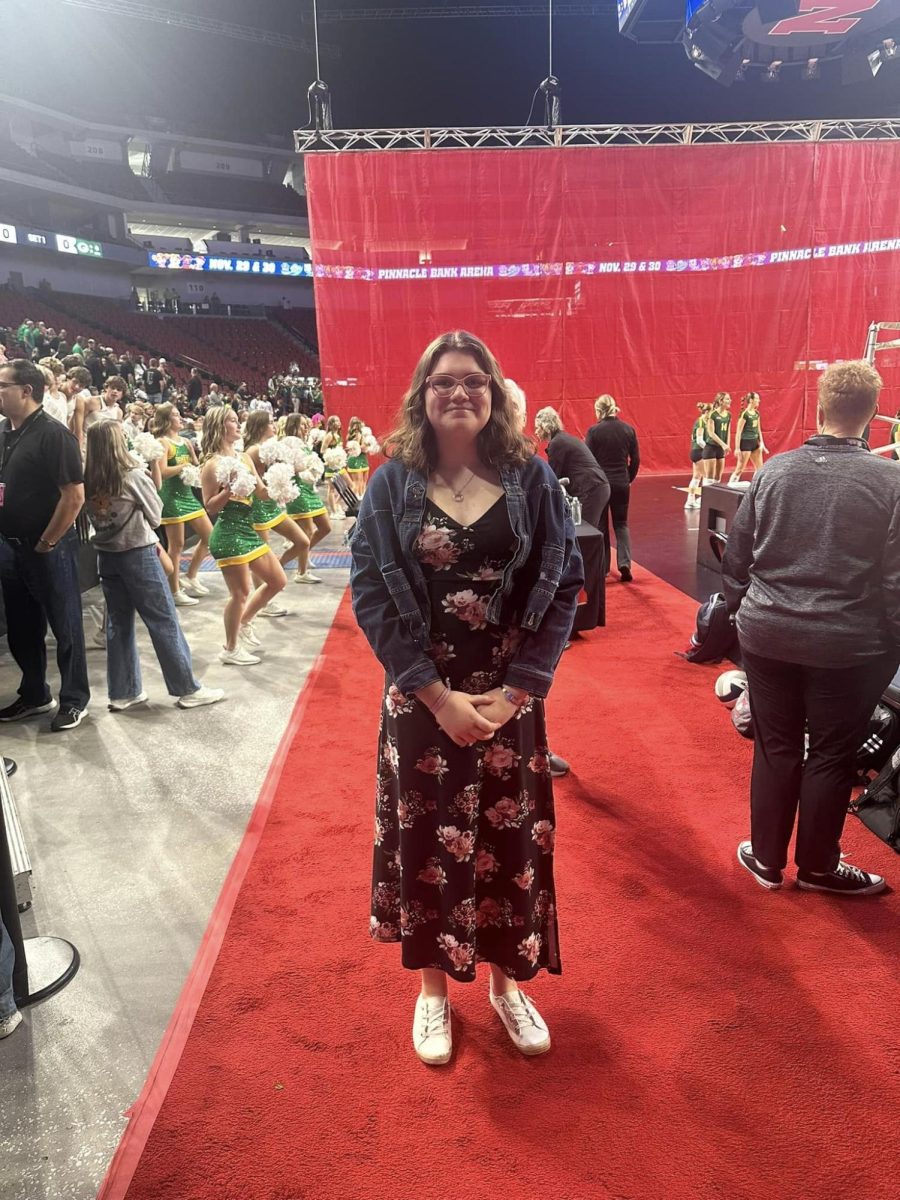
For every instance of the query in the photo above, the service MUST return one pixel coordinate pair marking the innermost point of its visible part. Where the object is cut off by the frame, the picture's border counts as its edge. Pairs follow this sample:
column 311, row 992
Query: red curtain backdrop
column 657, row 341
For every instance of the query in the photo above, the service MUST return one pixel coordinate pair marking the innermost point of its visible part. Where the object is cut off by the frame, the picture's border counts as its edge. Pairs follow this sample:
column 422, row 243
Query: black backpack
column 716, row 636
column 879, row 805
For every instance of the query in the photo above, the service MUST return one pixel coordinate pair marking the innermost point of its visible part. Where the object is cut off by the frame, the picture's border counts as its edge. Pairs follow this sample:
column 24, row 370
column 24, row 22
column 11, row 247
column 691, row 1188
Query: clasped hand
column 468, row 719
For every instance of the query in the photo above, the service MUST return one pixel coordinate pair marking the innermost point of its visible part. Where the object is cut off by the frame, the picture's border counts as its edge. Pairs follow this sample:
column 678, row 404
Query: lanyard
column 9, row 448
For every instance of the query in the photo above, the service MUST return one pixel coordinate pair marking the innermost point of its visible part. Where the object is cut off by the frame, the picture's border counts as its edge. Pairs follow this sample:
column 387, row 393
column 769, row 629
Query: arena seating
column 17, row 159
column 114, row 179
column 228, row 192
column 301, row 321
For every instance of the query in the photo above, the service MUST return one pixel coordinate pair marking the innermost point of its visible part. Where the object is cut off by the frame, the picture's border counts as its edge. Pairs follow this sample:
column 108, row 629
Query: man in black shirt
column 194, row 389
column 153, row 382
column 41, row 494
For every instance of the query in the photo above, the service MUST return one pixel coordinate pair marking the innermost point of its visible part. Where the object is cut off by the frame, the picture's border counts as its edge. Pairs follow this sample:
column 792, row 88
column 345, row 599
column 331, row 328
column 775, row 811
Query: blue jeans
column 134, row 582
column 7, row 962
column 39, row 589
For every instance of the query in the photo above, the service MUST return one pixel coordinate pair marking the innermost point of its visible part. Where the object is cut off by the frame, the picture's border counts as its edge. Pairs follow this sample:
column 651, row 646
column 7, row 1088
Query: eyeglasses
column 445, row 385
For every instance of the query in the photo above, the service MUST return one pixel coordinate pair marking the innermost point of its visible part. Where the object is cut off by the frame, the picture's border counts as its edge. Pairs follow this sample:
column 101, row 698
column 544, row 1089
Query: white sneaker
column 181, row 598
column 10, row 1024
column 240, row 656
column 203, row 695
column 306, row 577
column 121, row 705
column 432, row 1038
column 194, row 587
column 248, row 634
column 273, row 609
column 523, row 1022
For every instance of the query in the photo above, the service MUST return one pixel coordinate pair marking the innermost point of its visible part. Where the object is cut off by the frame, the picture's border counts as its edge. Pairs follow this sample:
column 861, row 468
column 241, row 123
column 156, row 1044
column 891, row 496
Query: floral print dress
column 463, row 865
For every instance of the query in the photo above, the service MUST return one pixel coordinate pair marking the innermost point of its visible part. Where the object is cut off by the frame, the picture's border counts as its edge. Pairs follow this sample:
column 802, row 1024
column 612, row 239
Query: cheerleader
column 698, row 442
column 357, row 464
column 240, row 553
column 259, row 428
column 180, row 505
column 748, row 439
column 332, row 440
column 307, row 510
column 716, row 430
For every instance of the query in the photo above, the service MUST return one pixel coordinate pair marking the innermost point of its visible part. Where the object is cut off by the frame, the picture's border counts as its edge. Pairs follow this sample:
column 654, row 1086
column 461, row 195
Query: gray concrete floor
column 131, row 822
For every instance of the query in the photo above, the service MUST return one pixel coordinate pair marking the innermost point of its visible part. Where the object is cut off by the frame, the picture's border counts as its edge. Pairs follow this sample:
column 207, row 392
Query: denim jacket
column 540, row 584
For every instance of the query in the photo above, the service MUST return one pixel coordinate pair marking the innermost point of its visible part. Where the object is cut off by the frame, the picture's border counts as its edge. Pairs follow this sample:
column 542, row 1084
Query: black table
column 591, row 614
column 718, row 505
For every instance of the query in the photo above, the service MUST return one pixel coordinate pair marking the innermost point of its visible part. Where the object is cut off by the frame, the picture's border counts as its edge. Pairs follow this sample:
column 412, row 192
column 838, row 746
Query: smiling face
column 454, row 410
column 175, row 421
column 232, row 429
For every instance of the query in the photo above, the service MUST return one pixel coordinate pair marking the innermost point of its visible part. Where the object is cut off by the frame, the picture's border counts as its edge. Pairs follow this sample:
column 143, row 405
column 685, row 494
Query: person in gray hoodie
column 124, row 508
column 812, row 571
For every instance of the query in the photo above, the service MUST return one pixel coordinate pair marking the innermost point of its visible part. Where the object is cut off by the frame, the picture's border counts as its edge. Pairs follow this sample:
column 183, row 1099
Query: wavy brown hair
column 213, row 433
column 296, row 425
column 256, row 426
column 500, row 443
column 106, row 461
column 161, row 419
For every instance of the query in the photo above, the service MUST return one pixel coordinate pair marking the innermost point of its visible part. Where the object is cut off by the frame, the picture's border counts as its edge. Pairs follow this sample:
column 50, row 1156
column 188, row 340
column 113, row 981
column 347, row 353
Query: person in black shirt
column 194, row 389
column 153, row 382
column 570, row 459
column 614, row 445
column 41, row 494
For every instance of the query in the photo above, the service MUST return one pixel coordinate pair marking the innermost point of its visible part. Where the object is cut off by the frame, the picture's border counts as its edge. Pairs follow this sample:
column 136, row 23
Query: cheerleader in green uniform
column 307, row 510
column 749, row 446
column 180, row 505
column 240, row 553
column 258, row 428
column 357, row 464
column 333, row 438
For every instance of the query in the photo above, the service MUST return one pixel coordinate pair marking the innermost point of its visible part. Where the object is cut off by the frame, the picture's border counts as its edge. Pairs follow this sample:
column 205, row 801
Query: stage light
column 889, row 48
column 811, row 70
column 773, row 71
column 696, row 52
column 876, row 62
column 741, row 74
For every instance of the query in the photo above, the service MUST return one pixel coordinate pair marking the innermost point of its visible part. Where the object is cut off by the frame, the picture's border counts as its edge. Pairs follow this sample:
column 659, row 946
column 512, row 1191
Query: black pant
column 617, row 509
column 39, row 589
column 593, row 507
column 834, row 705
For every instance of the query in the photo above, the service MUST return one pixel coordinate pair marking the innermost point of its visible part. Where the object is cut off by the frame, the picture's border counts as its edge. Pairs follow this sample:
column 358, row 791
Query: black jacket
column 614, row 445
column 571, row 459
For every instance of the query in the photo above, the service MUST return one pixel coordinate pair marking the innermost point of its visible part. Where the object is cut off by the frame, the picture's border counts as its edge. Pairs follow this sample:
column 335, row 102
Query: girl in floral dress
column 465, row 581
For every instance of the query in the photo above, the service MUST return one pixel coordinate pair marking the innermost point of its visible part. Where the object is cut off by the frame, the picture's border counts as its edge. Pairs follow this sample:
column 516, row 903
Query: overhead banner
column 661, row 275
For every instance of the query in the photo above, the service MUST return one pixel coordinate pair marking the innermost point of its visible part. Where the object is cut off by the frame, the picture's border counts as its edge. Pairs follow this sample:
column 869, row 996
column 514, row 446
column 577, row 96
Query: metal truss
column 432, row 12
column 878, row 129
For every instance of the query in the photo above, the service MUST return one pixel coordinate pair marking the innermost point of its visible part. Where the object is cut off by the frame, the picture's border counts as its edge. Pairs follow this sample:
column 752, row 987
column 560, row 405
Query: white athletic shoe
column 182, row 599
column 10, row 1024
column 248, row 634
column 523, row 1022
column 306, row 577
column 194, row 587
column 273, row 609
column 240, row 656
column 121, row 705
column 203, row 695
column 432, row 1038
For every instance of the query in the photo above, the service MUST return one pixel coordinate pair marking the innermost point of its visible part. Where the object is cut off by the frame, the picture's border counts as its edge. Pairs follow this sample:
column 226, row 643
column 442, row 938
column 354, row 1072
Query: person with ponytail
column 614, row 445
column 749, row 446
column 333, row 440
column 240, row 553
column 124, row 508
column 717, row 433
column 259, row 428
column 307, row 510
column 180, row 505
column 698, row 441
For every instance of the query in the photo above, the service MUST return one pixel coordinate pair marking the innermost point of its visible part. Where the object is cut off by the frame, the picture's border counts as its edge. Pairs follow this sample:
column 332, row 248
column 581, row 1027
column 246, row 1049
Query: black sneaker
column 625, row 575
column 844, row 880
column 20, row 709
column 67, row 718
column 558, row 767
column 766, row 877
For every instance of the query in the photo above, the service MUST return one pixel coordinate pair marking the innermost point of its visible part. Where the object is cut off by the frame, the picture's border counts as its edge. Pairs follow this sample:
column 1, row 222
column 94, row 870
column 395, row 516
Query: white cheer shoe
column 523, row 1022
column 432, row 1039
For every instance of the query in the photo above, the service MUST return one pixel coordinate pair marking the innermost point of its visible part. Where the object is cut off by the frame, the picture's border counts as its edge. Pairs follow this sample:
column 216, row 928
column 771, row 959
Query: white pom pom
column 148, row 447
column 316, row 436
column 191, row 475
column 335, row 459
column 234, row 474
column 293, row 451
column 370, row 444
column 279, row 481
column 269, row 451
column 354, row 448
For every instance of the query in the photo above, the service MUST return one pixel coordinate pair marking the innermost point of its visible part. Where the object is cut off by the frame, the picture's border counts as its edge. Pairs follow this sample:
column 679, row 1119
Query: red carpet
column 712, row 1041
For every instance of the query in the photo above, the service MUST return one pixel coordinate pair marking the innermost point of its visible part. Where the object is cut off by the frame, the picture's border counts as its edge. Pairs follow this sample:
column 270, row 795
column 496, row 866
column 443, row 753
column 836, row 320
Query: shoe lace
column 434, row 1018
column 848, row 871
column 519, row 1010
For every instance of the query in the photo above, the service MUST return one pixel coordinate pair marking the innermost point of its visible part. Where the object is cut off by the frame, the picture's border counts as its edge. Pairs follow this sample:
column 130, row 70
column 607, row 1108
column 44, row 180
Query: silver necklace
column 456, row 494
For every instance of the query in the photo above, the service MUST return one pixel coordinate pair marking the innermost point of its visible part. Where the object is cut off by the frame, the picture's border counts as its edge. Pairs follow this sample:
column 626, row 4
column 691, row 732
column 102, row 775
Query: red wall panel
column 658, row 341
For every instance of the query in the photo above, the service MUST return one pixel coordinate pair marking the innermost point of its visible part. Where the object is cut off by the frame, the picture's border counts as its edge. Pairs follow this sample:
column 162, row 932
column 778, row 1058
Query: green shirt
column 76, row 349
column 697, row 434
column 751, row 424
column 895, row 436
column 721, row 424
